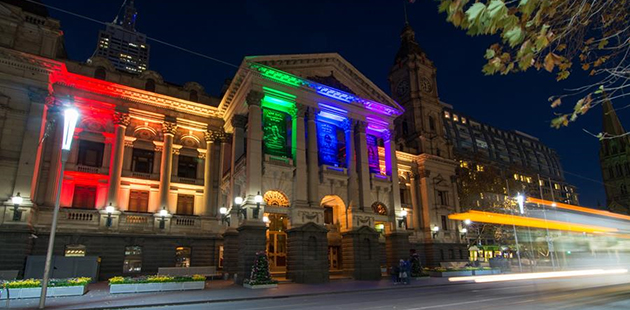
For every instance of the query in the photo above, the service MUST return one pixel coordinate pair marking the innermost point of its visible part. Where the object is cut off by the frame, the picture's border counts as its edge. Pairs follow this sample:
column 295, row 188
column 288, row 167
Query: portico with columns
column 320, row 155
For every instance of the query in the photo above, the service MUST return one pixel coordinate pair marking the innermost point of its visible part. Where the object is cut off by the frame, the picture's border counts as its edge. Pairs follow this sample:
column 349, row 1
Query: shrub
column 155, row 279
column 29, row 283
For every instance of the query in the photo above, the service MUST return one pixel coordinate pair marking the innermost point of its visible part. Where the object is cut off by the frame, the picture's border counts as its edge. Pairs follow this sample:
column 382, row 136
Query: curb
column 224, row 300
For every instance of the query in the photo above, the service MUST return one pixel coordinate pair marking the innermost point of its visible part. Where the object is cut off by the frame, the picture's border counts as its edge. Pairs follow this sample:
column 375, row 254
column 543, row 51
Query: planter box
column 254, row 287
column 482, row 272
column 439, row 274
column 35, row 292
column 156, row 287
column 496, row 271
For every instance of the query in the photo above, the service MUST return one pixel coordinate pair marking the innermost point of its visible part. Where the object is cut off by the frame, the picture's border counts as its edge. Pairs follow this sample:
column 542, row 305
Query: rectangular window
column 138, row 201
column 142, row 161
column 84, row 197
column 444, row 223
column 443, row 197
column 90, row 153
column 328, row 215
column 182, row 256
column 185, row 204
column 187, row 167
column 133, row 259
column 220, row 257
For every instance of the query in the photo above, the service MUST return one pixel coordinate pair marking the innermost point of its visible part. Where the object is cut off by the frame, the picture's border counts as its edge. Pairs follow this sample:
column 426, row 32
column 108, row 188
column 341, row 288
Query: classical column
column 353, row 186
column 391, row 165
column 208, row 176
column 121, row 121
column 238, row 148
column 168, row 129
column 415, row 203
column 300, row 192
column 225, row 139
column 254, row 146
column 364, row 164
column 313, row 159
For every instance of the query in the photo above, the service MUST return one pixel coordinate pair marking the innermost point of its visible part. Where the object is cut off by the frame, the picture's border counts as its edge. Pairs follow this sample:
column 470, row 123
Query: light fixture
column 224, row 217
column 554, row 205
column 238, row 200
column 109, row 209
column 266, row 219
column 223, row 210
column 435, row 230
column 463, row 230
column 403, row 219
column 520, row 199
column 71, row 116
column 163, row 214
column 403, row 213
column 258, row 199
column 467, row 221
column 17, row 201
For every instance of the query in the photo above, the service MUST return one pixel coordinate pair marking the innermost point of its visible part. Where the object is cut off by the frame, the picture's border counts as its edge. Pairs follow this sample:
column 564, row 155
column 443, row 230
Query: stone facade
column 307, row 254
column 614, row 158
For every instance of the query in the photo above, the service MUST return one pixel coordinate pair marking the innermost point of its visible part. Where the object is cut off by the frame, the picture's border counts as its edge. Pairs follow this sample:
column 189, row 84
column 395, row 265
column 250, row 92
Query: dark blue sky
column 366, row 33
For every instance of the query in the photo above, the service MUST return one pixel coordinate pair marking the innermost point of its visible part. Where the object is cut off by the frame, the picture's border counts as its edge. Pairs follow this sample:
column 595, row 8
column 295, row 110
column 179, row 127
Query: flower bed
column 158, row 283
column 32, row 288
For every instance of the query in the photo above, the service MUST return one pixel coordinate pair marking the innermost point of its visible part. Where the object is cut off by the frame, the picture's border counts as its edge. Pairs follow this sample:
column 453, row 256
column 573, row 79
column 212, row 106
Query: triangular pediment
column 329, row 69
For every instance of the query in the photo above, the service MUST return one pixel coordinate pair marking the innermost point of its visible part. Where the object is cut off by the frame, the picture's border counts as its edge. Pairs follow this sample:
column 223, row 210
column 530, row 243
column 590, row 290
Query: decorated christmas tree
column 260, row 271
column 416, row 269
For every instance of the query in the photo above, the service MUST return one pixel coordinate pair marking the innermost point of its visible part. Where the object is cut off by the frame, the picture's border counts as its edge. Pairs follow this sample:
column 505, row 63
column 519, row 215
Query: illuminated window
column 74, row 250
column 463, row 120
column 447, row 115
column 133, row 259
column 379, row 208
column 541, row 183
column 84, row 197
column 182, row 256
column 220, row 257
column 516, row 176
column 455, row 118
column 463, row 164
column 185, row 204
column 380, row 227
column 138, row 201
column 528, row 179
column 556, row 186
column 479, row 168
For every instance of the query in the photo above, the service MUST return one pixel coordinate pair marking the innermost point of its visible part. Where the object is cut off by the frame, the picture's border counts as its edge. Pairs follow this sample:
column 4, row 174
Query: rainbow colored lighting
column 278, row 76
column 324, row 106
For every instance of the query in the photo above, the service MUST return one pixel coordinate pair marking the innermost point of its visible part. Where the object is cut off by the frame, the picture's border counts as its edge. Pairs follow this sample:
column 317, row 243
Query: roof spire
column 405, row 10
column 612, row 124
column 129, row 19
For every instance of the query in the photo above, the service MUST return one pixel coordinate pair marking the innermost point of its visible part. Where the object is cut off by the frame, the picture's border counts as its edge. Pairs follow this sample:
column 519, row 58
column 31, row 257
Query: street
column 585, row 293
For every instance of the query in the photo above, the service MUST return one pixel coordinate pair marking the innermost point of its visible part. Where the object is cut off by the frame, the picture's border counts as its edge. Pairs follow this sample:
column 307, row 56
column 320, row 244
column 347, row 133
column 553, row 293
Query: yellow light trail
column 506, row 219
column 539, row 275
column 577, row 208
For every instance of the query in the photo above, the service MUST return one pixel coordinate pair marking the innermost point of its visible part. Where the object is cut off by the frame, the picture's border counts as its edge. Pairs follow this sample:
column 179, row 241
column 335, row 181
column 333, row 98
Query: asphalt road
column 584, row 293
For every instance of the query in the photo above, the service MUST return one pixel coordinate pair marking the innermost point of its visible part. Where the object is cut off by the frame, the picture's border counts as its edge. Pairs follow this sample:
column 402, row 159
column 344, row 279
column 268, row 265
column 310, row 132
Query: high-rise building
column 122, row 45
column 614, row 158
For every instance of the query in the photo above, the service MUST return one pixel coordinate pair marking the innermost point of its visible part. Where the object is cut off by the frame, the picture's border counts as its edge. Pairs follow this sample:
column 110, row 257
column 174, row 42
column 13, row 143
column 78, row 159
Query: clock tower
column 431, row 179
column 413, row 84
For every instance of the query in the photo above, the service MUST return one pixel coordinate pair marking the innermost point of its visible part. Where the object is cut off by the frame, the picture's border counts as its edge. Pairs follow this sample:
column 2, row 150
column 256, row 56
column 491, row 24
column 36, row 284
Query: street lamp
column 467, row 222
column 70, row 118
column 265, row 219
column 17, row 201
column 224, row 217
column 109, row 209
column 163, row 214
column 520, row 199
column 463, row 232
column 436, row 230
column 403, row 219
column 258, row 199
column 238, row 201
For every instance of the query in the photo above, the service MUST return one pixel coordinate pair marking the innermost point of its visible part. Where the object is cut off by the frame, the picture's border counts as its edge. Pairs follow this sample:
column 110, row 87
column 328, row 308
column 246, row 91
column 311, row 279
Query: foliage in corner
column 553, row 35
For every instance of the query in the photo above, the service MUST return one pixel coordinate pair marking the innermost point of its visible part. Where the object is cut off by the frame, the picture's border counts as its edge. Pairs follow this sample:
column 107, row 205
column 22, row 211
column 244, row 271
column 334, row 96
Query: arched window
column 100, row 73
column 276, row 198
column 150, row 85
column 194, row 96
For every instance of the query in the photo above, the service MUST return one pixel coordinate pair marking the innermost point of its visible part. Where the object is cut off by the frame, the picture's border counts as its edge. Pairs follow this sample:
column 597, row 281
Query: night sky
column 366, row 33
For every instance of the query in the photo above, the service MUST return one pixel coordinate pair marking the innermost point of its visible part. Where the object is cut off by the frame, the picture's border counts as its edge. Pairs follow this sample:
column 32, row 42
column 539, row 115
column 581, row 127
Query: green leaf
column 514, row 36
column 600, row 90
column 497, row 9
column 602, row 44
column 475, row 12
column 489, row 53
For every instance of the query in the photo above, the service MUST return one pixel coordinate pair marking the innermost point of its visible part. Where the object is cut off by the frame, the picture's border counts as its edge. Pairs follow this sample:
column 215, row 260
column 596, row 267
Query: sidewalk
column 98, row 296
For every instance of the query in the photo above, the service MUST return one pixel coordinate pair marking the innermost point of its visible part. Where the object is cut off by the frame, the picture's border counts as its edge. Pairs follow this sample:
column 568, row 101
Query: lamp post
column 238, row 201
column 463, row 233
column 70, row 118
column 109, row 209
column 258, row 200
column 17, row 201
column 163, row 214
column 224, row 217
column 435, row 230
column 403, row 219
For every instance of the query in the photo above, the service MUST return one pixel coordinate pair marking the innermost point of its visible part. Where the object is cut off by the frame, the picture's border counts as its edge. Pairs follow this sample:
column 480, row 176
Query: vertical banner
column 372, row 149
column 275, row 132
column 327, row 147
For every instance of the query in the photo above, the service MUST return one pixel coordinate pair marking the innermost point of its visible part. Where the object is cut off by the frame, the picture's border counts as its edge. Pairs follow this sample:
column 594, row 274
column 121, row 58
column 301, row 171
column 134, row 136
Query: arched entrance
column 277, row 223
column 334, row 220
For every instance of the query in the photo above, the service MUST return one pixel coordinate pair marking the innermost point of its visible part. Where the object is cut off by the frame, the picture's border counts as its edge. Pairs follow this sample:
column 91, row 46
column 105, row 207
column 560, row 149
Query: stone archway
column 277, row 221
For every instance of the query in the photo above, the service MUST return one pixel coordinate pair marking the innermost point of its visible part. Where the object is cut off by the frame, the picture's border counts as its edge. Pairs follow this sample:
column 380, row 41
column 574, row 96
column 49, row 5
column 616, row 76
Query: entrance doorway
column 333, row 258
column 277, row 242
